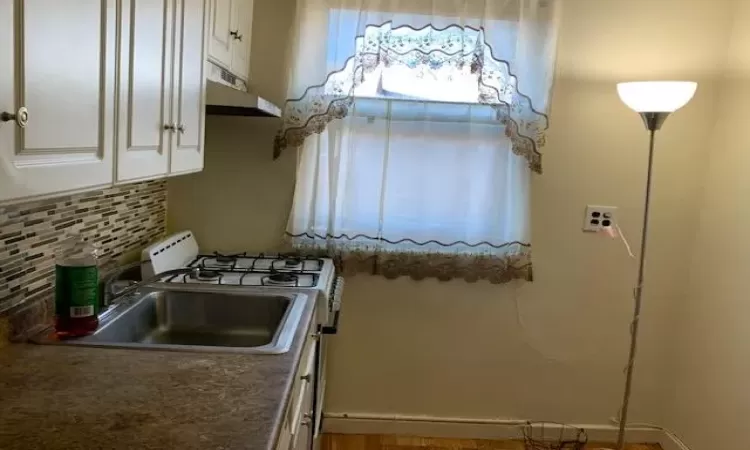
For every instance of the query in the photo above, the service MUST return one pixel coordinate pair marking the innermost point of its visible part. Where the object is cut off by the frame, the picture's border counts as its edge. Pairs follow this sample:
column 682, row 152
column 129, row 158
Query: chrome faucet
column 115, row 289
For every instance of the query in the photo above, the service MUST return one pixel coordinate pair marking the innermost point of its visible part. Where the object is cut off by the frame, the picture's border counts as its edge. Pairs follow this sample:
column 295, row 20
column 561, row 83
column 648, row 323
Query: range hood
column 227, row 95
column 223, row 100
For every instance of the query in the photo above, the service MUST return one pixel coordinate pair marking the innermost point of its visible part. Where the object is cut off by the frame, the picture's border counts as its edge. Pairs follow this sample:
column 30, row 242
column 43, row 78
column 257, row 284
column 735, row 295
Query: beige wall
column 710, row 408
column 554, row 349
column 241, row 199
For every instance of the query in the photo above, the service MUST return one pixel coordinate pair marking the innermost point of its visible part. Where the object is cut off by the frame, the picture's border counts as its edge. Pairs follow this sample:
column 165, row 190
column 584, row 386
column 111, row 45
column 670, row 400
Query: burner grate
column 242, row 269
column 259, row 263
column 287, row 279
column 208, row 276
column 281, row 279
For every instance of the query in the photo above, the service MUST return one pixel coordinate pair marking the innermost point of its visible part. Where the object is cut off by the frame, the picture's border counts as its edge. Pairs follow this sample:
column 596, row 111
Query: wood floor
column 376, row 442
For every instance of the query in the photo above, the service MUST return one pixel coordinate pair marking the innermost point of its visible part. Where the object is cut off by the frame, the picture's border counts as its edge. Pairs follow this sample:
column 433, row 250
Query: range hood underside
column 222, row 110
column 227, row 101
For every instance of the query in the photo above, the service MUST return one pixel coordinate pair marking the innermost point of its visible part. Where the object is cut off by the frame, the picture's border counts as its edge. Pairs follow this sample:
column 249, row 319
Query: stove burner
column 206, row 275
column 282, row 278
column 225, row 260
column 292, row 263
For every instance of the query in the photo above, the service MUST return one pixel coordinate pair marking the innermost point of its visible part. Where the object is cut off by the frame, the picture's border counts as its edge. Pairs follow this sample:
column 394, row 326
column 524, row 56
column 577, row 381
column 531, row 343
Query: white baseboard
column 463, row 428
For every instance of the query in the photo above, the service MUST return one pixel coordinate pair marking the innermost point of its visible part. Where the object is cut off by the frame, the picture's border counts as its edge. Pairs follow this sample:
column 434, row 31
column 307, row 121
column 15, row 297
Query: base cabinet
column 297, row 430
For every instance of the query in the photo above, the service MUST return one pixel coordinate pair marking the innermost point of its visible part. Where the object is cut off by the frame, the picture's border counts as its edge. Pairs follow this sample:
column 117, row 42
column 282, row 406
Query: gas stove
column 246, row 270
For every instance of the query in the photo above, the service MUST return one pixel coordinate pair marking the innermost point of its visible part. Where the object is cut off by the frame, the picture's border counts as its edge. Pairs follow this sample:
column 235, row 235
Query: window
column 418, row 155
column 414, row 151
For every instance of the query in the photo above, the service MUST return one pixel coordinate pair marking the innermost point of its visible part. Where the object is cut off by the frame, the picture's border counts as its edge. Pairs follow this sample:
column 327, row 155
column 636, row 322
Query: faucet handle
column 114, row 288
column 118, row 286
column 113, row 285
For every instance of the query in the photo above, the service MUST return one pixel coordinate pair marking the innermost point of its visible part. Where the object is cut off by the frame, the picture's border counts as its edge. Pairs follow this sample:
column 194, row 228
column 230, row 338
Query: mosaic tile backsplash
column 120, row 219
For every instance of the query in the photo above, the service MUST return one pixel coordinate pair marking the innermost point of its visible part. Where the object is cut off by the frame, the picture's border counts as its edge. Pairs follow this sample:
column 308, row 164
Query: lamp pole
column 653, row 122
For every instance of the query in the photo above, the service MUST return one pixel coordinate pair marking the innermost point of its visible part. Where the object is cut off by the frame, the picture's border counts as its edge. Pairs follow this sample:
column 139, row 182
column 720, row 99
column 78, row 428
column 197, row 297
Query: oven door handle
column 332, row 329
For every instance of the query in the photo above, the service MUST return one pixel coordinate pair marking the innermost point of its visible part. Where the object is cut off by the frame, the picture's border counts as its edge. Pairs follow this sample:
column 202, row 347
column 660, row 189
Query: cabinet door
column 64, row 75
column 282, row 443
column 303, row 440
column 243, row 28
column 145, row 88
column 302, row 430
column 189, row 90
column 220, row 25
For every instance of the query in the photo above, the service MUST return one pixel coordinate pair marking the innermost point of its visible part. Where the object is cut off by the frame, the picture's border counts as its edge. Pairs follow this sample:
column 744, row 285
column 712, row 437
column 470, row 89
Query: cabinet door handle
column 305, row 422
column 21, row 117
column 169, row 127
column 236, row 35
column 181, row 128
column 307, row 377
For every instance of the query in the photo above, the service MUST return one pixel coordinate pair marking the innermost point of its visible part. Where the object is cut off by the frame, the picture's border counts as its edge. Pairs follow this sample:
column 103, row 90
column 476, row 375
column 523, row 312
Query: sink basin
column 237, row 322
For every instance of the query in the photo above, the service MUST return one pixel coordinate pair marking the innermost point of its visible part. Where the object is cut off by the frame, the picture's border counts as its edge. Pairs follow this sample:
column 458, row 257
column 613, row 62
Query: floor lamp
column 654, row 101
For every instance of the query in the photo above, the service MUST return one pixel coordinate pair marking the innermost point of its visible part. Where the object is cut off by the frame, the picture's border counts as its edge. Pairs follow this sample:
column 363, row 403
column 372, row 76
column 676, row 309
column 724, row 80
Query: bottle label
column 76, row 291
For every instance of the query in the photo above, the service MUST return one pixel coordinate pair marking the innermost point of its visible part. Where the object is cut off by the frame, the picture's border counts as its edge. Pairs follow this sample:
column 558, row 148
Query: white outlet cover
column 599, row 218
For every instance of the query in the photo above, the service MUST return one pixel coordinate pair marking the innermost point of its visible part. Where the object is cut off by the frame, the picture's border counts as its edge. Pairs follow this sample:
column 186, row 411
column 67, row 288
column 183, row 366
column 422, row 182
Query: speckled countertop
column 62, row 397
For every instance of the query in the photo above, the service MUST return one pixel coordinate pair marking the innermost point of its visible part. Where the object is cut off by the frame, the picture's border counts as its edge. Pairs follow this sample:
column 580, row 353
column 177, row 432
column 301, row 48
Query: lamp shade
column 656, row 96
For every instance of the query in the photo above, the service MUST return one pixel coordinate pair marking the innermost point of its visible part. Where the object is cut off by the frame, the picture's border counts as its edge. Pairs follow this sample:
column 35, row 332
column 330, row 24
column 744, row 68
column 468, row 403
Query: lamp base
column 654, row 120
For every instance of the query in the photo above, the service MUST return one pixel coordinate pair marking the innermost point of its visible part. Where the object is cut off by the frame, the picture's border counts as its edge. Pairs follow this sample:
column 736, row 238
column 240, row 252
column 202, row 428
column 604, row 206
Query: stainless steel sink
column 238, row 322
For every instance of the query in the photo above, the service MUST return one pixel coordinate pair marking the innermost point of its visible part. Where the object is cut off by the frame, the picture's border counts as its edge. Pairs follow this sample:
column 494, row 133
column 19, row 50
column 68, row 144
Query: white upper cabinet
column 162, row 88
column 145, row 84
column 189, row 97
column 230, row 31
column 99, row 91
column 64, row 63
column 242, row 32
column 220, row 39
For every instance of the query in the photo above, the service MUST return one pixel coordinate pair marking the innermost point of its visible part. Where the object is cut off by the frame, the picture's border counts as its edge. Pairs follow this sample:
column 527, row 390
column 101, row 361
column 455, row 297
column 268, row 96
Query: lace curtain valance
column 454, row 54
column 417, row 125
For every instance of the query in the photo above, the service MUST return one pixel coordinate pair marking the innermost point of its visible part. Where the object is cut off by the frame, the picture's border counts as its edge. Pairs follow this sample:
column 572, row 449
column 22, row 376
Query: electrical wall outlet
column 599, row 218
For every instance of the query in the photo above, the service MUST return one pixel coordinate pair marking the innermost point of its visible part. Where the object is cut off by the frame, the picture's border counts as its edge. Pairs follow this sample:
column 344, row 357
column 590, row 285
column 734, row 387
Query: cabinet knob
column 236, row 35
column 181, row 128
column 169, row 127
column 307, row 377
column 21, row 117
column 305, row 423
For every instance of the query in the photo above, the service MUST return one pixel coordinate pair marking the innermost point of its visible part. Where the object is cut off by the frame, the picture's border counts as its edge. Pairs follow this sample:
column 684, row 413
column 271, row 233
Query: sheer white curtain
column 418, row 125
